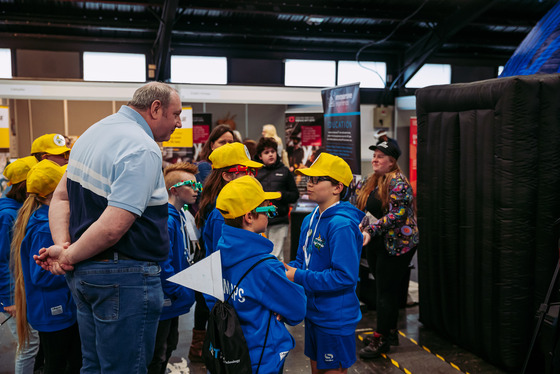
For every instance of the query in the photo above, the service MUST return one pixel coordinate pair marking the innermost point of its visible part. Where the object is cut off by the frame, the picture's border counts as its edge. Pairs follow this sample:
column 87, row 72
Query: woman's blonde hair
column 380, row 181
column 30, row 205
column 270, row 131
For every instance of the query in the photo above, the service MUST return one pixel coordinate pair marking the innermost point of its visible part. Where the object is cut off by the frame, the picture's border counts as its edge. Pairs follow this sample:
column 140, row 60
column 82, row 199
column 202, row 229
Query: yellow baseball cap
column 241, row 196
column 327, row 165
column 54, row 144
column 17, row 171
column 232, row 154
column 44, row 177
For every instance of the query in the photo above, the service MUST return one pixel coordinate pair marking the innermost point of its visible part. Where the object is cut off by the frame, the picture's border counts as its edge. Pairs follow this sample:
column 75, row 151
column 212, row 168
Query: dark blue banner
column 341, row 106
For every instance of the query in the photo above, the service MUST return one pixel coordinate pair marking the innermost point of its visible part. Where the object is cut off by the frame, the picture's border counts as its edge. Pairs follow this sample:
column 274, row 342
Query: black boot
column 375, row 348
column 393, row 337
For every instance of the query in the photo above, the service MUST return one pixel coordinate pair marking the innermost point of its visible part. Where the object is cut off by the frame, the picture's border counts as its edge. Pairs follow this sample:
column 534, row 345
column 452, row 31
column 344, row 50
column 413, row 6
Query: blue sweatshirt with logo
column 335, row 247
column 8, row 214
column 264, row 291
column 177, row 299
column 50, row 306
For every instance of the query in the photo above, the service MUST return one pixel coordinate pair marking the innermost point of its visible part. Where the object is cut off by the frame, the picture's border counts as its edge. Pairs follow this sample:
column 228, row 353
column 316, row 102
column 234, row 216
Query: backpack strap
column 269, row 317
column 247, row 272
column 264, row 345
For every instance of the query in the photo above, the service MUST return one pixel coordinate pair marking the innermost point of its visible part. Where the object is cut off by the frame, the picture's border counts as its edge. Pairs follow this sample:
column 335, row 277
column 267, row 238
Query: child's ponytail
column 30, row 205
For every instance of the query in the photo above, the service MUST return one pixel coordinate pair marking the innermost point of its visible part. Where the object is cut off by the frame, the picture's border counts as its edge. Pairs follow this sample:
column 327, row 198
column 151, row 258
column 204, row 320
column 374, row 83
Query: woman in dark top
column 391, row 236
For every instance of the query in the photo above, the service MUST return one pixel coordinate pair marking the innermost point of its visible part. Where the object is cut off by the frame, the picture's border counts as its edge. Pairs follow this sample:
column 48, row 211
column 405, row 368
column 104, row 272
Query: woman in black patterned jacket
column 392, row 235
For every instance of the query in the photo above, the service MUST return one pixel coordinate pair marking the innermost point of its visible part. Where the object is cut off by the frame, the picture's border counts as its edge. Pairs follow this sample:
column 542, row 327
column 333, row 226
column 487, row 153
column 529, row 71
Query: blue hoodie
column 8, row 214
column 50, row 306
column 330, row 281
column 264, row 291
column 177, row 299
column 212, row 231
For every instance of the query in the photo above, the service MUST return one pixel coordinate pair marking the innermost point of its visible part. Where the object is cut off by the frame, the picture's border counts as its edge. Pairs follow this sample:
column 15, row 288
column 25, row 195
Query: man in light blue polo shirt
column 108, row 219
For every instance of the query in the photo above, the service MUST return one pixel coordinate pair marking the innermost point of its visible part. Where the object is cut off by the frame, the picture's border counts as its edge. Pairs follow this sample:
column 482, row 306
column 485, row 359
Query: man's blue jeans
column 119, row 303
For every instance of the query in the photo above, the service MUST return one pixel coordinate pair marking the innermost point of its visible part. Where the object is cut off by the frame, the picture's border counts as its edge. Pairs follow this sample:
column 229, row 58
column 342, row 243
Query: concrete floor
column 421, row 351
column 409, row 357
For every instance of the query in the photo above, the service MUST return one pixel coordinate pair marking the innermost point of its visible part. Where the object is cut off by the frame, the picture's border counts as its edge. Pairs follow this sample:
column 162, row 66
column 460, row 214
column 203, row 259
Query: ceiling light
column 315, row 20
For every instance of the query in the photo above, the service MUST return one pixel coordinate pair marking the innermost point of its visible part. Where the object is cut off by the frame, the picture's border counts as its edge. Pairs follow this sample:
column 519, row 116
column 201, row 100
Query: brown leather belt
column 109, row 255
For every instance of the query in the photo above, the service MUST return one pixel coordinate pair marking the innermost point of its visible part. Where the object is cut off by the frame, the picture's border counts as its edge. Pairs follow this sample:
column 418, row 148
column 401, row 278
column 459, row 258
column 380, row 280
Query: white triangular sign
column 205, row 276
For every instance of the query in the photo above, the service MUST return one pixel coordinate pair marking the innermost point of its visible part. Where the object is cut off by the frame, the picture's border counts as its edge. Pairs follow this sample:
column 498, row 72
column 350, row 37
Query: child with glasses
column 182, row 189
column 266, row 299
column 327, row 265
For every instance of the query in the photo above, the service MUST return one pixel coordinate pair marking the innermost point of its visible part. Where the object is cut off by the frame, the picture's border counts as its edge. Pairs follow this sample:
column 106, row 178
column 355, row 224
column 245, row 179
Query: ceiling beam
column 162, row 43
column 428, row 45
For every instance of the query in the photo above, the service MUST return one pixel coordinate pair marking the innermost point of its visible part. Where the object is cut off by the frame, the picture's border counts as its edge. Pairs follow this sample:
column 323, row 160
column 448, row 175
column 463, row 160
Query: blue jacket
column 8, row 214
column 50, row 306
column 264, row 291
column 212, row 231
column 177, row 299
column 330, row 281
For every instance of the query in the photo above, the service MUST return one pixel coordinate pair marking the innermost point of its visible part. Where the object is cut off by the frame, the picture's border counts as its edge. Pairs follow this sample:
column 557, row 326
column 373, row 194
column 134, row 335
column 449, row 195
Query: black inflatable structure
column 488, row 195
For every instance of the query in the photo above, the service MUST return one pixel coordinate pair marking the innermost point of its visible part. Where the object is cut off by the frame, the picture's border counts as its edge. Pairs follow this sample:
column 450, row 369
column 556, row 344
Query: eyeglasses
column 196, row 186
column 243, row 169
column 315, row 180
column 270, row 211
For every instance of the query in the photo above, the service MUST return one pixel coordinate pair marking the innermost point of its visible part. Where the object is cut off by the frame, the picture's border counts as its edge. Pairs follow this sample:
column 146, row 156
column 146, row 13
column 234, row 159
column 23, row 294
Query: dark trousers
column 62, row 351
column 201, row 312
column 390, row 272
column 167, row 338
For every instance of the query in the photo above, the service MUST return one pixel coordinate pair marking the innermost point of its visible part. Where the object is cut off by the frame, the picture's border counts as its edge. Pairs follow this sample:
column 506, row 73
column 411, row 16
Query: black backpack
column 225, row 348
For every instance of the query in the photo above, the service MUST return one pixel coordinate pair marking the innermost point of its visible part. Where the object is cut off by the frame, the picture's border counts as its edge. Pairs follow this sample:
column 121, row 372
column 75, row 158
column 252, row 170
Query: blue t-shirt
column 116, row 162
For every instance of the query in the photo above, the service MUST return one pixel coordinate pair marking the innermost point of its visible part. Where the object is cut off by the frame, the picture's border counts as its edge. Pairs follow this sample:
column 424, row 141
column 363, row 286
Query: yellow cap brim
column 313, row 172
column 251, row 164
column 58, row 150
column 272, row 195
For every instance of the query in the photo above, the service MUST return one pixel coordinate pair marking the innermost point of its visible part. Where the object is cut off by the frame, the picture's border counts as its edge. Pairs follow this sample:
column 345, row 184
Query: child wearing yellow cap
column 327, row 265
column 229, row 162
column 265, row 299
column 16, row 173
column 43, row 299
column 51, row 147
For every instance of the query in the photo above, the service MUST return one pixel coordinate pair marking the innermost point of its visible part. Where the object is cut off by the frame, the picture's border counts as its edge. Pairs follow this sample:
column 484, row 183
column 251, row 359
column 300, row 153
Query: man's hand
column 55, row 259
column 290, row 272
column 11, row 309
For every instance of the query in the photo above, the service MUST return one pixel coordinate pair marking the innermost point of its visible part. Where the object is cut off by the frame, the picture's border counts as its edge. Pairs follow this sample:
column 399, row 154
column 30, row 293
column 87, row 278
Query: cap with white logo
column 390, row 147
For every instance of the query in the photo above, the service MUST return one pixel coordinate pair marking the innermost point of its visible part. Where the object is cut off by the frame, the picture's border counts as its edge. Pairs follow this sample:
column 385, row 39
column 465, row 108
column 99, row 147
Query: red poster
column 200, row 133
column 311, row 135
column 413, row 149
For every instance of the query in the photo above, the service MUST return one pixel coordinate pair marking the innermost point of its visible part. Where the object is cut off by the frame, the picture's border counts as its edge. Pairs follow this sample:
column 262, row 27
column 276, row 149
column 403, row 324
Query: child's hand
column 290, row 272
column 367, row 237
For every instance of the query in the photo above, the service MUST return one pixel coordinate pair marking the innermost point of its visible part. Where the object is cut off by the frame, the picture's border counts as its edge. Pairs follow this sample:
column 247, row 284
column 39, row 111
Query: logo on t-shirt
column 329, row 357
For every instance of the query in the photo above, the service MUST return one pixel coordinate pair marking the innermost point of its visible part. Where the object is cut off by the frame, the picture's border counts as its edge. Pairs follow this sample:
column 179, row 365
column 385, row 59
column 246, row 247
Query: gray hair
column 148, row 93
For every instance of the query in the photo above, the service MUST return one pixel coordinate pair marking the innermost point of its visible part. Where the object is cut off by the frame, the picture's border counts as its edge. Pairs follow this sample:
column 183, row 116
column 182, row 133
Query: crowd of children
column 233, row 212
